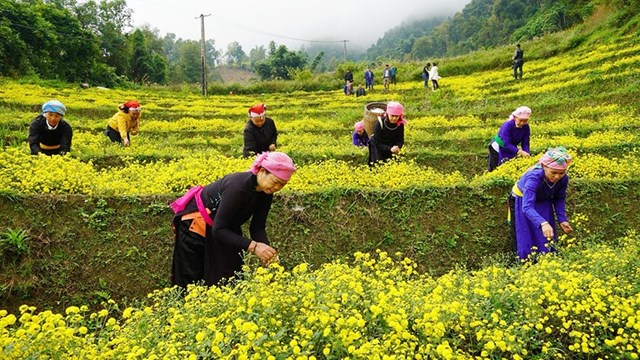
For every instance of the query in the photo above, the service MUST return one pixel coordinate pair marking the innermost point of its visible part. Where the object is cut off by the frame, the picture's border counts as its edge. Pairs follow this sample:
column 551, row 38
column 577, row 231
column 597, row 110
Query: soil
column 232, row 75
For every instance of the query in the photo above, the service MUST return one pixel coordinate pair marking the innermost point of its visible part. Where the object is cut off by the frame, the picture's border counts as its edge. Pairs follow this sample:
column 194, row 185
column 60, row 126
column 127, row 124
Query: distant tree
column 235, row 54
column 171, row 47
column 316, row 61
column 334, row 62
column 320, row 63
column 399, row 41
column 627, row 10
column 188, row 67
column 256, row 54
column 482, row 24
column 422, row 48
column 280, row 64
column 24, row 37
column 141, row 65
column 46, row 39
column 159, row 68
column 283, row 60
column 112, row 19
column 155, row 43
column 77, row 49
column 272, row 48
column 263, row 69
column 157, row 60
column 212, row 54
column 183, row 59
column 87, row 14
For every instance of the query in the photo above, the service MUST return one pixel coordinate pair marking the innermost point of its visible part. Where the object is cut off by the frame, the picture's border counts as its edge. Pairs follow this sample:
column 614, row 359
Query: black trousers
column 114, row 136
column 517, row 66
column 188, row 255
column 51, row 152
column 512, row 224
column 493, row 158
column 202, row 259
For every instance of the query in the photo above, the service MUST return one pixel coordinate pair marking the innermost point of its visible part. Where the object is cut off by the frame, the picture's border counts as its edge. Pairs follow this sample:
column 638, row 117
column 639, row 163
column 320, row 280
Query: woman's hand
column 272, row 147
column 264, row 252
column 523, row 153
column 547, row 230
column 566, row 227
column 395, row 149
column 125, row 142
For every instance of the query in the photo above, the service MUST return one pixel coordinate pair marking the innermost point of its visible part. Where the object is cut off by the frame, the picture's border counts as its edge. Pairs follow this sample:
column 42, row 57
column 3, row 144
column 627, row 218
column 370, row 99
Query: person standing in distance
column 386, row 77
column 368, row 79
column 518, row 61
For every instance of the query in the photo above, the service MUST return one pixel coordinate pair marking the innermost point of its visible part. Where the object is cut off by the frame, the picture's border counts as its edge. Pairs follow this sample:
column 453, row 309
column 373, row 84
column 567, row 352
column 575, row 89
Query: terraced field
column 97, row 223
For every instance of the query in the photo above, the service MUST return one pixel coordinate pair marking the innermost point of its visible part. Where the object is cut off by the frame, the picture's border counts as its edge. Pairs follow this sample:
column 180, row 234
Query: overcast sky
column 256, row 22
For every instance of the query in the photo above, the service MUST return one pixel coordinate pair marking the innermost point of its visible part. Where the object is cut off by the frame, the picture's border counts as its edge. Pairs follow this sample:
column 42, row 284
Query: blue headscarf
column 54, row 106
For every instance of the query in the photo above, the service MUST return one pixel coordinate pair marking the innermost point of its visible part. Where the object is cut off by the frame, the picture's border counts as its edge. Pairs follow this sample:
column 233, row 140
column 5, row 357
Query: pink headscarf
column 359, row 125
column 556, row 158
column 395, row 108
column 277, row 163
column 523, row 112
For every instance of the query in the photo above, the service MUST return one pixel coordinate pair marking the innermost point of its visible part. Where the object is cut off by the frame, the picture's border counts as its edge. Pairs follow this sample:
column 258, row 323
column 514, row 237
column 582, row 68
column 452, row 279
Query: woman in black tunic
column 209, row 241
column 260, row 133
column 388, row 134
column 49, row 133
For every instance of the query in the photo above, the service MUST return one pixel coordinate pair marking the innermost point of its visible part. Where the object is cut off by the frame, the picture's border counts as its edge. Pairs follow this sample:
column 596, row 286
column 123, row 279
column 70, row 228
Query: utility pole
column 203, row 81
column 344, row 50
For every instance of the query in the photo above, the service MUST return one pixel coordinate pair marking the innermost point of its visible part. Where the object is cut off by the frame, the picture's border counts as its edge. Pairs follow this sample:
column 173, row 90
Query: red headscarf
column 132, row 105
column 257, row 110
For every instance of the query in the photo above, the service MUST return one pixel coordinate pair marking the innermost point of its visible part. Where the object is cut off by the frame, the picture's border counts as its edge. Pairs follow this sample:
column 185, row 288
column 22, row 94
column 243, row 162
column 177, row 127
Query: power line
column 256, row 31
column 219, row 19
column 226, row 20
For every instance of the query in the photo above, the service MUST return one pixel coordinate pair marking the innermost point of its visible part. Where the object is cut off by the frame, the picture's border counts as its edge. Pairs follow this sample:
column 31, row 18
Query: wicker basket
column 371, row 113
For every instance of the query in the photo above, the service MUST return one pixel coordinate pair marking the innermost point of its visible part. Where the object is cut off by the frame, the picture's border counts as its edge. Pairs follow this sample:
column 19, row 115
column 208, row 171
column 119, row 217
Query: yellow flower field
column 581, row 304
column 376, row 307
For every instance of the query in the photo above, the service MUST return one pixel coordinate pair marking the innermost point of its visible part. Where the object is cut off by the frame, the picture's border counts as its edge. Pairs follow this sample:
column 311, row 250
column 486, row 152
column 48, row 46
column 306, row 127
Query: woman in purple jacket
column 534, row 199
column 513, row 132
column 360, row 137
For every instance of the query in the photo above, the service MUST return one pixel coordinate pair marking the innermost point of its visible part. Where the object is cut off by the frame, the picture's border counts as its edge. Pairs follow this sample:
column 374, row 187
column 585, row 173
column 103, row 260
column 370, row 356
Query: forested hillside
column 399, row 40
column 488, row 23
column 94, row 41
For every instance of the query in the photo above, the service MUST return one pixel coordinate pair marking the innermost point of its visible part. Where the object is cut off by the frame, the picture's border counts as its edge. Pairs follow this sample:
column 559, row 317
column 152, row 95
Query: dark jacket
column 518, row 56
column 383, row 139
column 232, row 200
column 39, row 133
column 348, row 76
column 258, row 139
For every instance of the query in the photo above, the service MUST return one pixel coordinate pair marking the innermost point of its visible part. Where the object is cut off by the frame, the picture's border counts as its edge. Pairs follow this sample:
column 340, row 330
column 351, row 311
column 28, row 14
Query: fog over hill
column 289, row 22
